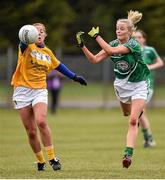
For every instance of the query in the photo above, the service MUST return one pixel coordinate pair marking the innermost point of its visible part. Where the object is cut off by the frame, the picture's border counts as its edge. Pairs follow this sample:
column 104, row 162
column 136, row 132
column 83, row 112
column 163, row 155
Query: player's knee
column 133, row 121
column 32, row 133
column 42, row 124
column 41, row 121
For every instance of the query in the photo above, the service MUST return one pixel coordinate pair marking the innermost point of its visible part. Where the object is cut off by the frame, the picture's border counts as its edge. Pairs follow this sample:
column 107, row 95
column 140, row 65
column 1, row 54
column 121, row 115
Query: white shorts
column 128, row 91
column 24, row 96
column 150, row 94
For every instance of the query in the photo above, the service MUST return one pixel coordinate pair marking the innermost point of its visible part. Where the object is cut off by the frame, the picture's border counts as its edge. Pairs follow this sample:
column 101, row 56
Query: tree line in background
column 63, row 18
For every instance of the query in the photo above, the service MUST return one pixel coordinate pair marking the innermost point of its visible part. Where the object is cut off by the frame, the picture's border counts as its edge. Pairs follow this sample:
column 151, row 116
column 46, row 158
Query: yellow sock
column 50, row 152
column 40, row 157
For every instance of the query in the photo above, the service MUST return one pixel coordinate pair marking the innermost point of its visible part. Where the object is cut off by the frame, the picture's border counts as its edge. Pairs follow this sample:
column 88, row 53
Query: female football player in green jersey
column 153, row 61
column 131, row 73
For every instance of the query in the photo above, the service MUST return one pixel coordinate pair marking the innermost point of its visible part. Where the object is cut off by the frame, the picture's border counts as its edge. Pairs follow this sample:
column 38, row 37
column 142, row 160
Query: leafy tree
column 153, row 21
column 63, row 18
column 56, row 15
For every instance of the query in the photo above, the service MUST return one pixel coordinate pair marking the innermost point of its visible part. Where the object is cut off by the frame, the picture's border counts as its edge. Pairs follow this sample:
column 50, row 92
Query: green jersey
column 130, row 65
column 150, row 55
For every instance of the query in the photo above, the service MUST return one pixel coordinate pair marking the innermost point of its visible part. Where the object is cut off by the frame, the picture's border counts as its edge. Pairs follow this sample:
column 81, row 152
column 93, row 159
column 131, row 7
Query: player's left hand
column 80, row 79
column 94, row 32
column 79, row 38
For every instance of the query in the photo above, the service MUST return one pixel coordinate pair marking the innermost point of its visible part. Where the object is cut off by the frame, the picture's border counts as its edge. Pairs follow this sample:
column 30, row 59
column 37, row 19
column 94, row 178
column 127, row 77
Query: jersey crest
column 122, row 67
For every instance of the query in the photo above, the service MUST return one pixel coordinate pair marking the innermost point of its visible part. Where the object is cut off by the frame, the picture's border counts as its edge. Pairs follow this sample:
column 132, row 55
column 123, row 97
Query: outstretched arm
column 67, row 72
column 158, row 64
column 22, row 46
column 94, row 32
column 111, row 50
column 94, row 58
column 90, row 56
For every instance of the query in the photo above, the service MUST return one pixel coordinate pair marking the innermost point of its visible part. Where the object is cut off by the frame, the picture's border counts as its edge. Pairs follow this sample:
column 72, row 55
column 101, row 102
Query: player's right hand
column 94, row 32
column 80, row 80
column 79, row 38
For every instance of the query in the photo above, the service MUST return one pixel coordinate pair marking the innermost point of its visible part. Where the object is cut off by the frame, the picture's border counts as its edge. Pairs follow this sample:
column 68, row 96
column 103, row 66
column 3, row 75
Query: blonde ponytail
column 134, row 16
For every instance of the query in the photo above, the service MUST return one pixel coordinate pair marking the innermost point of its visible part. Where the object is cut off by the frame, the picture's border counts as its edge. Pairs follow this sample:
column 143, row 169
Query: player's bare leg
column 40, row 112
column 27, row 118
column 28, row 121
column 145, row 125
column 126, row 108
column 136, row 109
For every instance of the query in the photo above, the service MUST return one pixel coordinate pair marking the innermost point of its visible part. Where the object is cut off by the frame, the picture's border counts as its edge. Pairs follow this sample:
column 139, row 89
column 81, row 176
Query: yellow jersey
column 33, row 65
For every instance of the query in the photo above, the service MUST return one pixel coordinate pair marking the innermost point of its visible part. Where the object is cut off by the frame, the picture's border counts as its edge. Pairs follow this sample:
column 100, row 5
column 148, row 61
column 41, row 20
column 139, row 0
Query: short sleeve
column 114, row 43
column 133, row 45
column 154, row 53
column 55, row 62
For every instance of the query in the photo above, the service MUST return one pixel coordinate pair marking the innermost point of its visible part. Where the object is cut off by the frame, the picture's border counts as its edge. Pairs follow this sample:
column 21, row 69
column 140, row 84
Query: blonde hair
column 40, row 24
column 132, row 18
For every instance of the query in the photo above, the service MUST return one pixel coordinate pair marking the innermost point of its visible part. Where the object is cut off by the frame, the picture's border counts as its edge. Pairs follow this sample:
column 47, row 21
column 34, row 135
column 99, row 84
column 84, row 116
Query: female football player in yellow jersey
column 153, row 61
column 131, row 73
column 30, row 95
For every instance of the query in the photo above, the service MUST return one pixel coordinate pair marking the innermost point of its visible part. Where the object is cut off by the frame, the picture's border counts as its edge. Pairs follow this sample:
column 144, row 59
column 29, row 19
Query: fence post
column 10, row 58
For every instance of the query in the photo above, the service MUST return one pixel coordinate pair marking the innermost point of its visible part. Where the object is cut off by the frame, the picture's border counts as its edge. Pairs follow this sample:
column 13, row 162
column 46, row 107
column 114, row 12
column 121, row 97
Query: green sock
column 147, row 135
column 128, row 151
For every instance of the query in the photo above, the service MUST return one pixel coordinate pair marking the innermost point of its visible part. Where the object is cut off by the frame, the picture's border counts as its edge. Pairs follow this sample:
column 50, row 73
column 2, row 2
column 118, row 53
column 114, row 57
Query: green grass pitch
column 89, row 142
